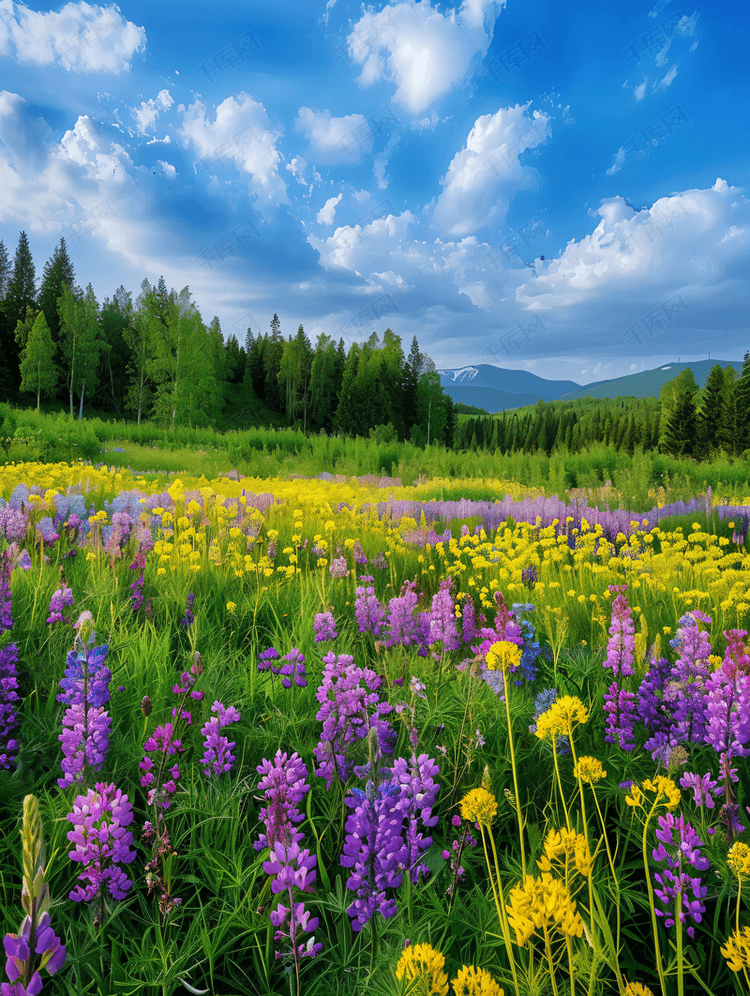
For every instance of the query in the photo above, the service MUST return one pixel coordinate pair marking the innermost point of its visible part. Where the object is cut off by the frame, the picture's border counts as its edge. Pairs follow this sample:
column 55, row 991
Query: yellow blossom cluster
column 559, row 719
column 479, row 806
column 423, row 965
column 665, row 789
column 589, row 769
column 737, row 950
column 543, row 904
column 562, row 845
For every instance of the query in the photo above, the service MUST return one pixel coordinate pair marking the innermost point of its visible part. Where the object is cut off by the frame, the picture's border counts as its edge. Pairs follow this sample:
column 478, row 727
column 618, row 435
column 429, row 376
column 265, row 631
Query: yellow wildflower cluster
column 637, row 989
column 558, row 720
column 665, row 788
column 738, row 859
column 737, row 950
column 562, row 845
column 589, row 769
column 479, row 806
column 472, row 981
column 503, row 655
column 421, row 962
column 542, row 904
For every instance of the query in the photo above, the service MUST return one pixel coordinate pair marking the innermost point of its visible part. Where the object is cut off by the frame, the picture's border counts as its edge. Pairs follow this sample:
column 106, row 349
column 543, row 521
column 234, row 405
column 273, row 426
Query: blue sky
column 403, row 165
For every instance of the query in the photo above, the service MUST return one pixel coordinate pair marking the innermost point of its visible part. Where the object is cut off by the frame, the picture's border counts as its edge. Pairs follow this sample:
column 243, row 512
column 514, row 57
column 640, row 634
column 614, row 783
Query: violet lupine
column 442, row 618
column 100, row 820
column 683, row 848
column 619, row 703
column 685, row 691
column 703, row 787
column 61, row 600
column 339, row 568
column 8, row 674
column 375, row 850
column 368, row 611
column 217, row 756
column 188, row 679
column 160, row 742
column 468, row 620
column 294, row 668
column 325, row 627
column 85, row 690
column 402, row 625
column 728, row 700
column 188, row 619
column 139, row 564
column 358, row 553
column 23, row 965
column 284, row 784
column 652, row 710
column 13, row 523
column 419, row 791
column 349, row 707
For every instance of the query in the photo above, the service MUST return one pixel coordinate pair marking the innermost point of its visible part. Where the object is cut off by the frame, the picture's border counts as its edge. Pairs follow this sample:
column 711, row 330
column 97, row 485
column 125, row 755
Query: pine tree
column 57, row 271
column 681, row 428
column 19, row 295
column 38, row 368
column 711, row 414
column 5, row 270
column 742, row 406
column 272, row 364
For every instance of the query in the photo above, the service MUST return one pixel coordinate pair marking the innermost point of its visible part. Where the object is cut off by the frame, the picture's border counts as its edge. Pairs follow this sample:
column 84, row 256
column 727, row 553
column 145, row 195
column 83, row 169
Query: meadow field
column 337, row 734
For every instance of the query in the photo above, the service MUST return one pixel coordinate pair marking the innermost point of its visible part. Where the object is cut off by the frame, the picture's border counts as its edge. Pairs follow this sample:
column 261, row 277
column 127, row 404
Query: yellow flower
column 231, row 608
column 664, row 787
column 503, row 655
column 475, row 982
column 738, row 859
column 542, row 902
column 423, row 962
column 564, row 844
column 636, row 989
column 737, row 950
column 479, row 806
column 559, row 718
column 589, row 769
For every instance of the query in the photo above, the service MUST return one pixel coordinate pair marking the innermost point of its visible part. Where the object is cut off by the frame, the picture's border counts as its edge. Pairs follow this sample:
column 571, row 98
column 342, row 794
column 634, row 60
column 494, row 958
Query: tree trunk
column 80, row 409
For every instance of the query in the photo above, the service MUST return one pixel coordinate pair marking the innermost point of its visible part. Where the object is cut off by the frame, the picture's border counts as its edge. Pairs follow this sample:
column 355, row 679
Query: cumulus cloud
column 425, row 52
column 86, row 146
column 82, row 37
column 335, row 140
column 326, row 213
column 485, row 175
column 149, row 110
column 241, row 133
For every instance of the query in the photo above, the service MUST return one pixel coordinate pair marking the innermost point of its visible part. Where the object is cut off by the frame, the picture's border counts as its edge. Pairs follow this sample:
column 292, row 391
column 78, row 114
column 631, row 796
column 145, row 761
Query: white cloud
column 149, row 110
column 486, row 174
column 617, row 164
column 640, row 90
column 335, row 140
column 87, row 147
column 426, row 53
column 667, row 79
column 82, row 37
column 241, row 134
column 327, row 212
column 167, row 169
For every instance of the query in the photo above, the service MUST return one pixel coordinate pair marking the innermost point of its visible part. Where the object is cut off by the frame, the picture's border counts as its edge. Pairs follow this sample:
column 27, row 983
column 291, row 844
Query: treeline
column 684, row 421
column 156, row 359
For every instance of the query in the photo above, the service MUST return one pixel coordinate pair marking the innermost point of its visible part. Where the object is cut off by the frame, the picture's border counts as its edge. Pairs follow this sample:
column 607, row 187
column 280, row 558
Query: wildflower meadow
column 265, row 736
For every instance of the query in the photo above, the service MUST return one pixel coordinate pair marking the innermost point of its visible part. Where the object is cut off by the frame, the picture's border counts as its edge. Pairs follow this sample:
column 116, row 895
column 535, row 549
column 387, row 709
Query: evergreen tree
column 38, row 369
column 5, row 270
column 57, row 271
column 681, row 428
column 137, row 336
column 20, row 293
column 272, row 354
column 451, row 422
column 412, row 373
column 235, row 360
column 116, row 316
column 349, row 413
column 79, row 332
column 255, row 377
column 742, row 408
column 711, row 414
column 323, row 383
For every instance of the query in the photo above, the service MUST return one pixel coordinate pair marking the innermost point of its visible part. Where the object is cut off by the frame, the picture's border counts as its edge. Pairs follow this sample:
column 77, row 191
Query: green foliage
column 39, row 373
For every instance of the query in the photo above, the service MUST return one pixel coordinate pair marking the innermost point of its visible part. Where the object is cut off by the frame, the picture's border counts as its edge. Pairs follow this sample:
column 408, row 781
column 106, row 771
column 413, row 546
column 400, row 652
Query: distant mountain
column 648, row 383
column 497, row 389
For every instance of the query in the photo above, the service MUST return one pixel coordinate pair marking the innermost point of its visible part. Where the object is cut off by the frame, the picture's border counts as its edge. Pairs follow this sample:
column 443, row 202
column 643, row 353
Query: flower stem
column 515, row 776
column 499, row 902
column 654, row 925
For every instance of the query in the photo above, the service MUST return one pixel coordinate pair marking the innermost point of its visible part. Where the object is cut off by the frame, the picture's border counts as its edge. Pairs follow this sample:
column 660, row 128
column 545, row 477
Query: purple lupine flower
column 292, row 868
column 442, row 618
column 401, row 622
column 217, row 756
column 374, row 849
column 419, row 790
column 22, row 965
column 284, row 784
column 652, row 709
column 703, row 787
column 13, row 523
column 265, row 658
column 685, row 691
column 621, row 645
column 368, row 611
column 188, row 619
column 359, row 554
column 683, row 847
column 728, row 700
column 102, row 842
column 188, row 679
column 160, row 741
column 8, row 675
column 86, row 723
column 325, row 627
column 529, row 576
column 61, row 599
column 294, row 668
column 620, row 708
column 349, row 708
column 46, row 530
column 468, row 620
column 338, row 568
column 139, row 564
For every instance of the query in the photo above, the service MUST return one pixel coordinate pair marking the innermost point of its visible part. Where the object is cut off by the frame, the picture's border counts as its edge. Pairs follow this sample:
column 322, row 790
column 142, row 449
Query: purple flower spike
column 102, row 842
column 217, row 757
column 325, row 627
